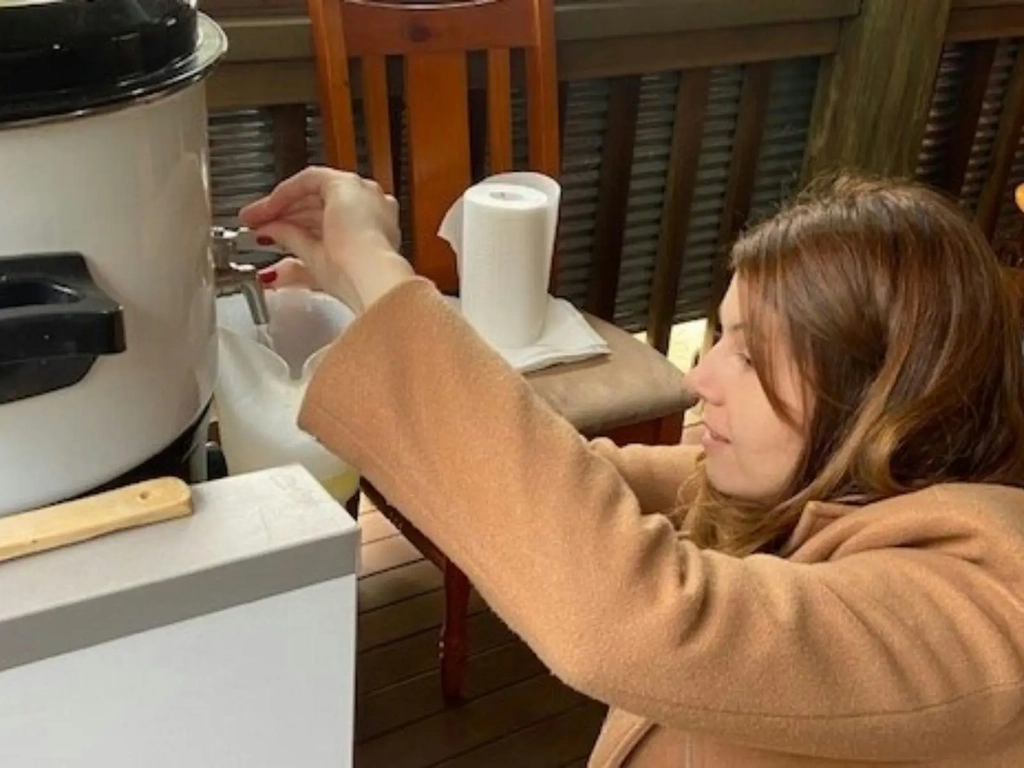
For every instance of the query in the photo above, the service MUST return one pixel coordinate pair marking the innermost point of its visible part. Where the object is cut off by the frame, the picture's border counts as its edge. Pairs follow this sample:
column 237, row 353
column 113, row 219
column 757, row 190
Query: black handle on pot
column 54, row 322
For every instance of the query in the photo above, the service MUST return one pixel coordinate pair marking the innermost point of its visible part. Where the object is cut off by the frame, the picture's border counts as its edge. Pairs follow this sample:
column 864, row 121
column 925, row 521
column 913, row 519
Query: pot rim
column 210, row 50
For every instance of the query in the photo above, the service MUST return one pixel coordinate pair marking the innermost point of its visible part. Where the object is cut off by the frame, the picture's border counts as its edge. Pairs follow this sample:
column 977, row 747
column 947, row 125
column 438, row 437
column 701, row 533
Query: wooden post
column 613, row 195
column 873, row 96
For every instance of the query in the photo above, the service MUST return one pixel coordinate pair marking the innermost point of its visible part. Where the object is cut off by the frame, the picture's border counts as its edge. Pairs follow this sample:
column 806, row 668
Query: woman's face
column 750, row 451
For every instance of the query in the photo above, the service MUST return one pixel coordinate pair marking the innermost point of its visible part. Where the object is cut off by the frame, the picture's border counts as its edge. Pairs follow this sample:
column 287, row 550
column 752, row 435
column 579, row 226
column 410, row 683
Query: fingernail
column 268, row 276
column 264, row 240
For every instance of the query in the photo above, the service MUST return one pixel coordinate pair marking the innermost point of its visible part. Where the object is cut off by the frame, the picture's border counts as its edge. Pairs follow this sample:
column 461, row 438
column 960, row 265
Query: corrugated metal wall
column 938, row 135
column 585, row 121
column 241, row 160
column 988, row 124
column 701, row 249
column 653, row 141
column 942, row 117
column 785, row 134
column 1009, row 213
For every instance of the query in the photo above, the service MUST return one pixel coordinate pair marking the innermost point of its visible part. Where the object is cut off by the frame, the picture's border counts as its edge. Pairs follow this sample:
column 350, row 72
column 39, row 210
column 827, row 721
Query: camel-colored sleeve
column 655, row 473
column 894, row 653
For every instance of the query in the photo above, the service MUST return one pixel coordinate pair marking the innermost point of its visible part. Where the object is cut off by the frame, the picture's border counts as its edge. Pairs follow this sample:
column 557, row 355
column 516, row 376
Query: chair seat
column 634, row 384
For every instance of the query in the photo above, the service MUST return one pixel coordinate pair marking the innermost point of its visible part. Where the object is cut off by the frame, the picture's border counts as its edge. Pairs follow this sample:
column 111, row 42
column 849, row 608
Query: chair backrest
column 434, row 42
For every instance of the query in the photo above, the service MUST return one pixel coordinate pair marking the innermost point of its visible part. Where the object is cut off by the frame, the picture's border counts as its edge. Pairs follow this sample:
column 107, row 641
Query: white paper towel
column 567, row 338
column 503, row 233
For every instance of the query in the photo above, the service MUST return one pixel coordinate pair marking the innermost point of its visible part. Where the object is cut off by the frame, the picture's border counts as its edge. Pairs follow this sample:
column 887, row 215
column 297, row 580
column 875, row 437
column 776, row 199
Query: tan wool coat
column 891, row 634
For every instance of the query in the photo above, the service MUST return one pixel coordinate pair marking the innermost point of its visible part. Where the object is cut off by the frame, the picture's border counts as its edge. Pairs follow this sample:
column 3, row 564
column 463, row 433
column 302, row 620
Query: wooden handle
column 152, row 501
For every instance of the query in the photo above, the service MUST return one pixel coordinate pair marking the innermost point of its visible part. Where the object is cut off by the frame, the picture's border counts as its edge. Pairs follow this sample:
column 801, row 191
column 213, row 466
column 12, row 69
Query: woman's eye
column 745, row 359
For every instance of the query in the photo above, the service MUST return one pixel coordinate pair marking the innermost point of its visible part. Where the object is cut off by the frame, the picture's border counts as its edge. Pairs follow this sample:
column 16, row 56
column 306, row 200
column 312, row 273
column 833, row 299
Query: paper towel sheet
column 567, row 337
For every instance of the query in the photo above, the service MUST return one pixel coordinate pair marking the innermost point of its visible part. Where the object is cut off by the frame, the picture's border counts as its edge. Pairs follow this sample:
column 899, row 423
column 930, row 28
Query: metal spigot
column 231, row 277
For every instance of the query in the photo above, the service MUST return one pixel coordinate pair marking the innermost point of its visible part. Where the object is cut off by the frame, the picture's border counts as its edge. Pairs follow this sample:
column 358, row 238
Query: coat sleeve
column 655, row 473
column 895, row 653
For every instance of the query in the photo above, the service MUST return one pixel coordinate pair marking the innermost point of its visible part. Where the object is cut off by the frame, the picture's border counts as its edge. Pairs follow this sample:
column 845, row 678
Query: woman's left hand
column 343, row 229
column 288, row 272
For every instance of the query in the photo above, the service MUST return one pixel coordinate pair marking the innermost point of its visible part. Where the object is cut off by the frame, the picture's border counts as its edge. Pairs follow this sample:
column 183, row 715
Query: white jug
column 259, row 389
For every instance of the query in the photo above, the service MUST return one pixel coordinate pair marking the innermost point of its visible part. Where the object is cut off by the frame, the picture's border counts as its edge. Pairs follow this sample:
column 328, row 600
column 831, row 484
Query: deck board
column 400, row 620
column 563, row 737
column 375, row 526
column 398, row 584
column 515, row 713
column 417, row 698
column 384, row 554
column 453, row 732
column 390, row 664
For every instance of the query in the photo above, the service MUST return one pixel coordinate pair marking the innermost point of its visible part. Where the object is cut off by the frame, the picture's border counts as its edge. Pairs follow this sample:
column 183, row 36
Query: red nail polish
column 268, row 276
column 264, row 240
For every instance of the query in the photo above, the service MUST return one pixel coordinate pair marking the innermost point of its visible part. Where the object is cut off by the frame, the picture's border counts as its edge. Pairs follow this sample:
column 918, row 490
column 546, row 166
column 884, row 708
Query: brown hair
column 908, row 340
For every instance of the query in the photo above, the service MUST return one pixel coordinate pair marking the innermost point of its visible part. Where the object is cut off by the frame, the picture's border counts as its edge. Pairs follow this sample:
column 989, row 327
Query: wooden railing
column 270, row 59
column 683, row 120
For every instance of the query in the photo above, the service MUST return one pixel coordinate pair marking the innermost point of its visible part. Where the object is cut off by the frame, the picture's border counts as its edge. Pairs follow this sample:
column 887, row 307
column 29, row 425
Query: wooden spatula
column 152, row 501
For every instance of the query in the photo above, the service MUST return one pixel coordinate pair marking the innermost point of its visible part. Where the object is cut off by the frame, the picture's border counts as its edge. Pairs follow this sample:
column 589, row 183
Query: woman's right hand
column 342, row 229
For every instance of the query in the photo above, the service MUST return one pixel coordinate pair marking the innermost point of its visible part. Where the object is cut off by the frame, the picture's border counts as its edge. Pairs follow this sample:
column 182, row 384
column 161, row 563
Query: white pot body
column 128, row 189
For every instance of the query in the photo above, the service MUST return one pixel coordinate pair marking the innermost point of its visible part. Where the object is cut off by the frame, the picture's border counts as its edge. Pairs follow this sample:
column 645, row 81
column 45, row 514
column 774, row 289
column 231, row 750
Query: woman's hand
column 343, row 230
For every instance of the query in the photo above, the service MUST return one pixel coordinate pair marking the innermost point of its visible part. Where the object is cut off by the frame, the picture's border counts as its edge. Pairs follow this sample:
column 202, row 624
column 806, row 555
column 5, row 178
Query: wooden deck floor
column 516, row 713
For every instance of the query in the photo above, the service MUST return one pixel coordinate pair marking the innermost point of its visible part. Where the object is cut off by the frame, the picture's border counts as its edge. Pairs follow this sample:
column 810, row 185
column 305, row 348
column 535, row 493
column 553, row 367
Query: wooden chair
column 634, row 396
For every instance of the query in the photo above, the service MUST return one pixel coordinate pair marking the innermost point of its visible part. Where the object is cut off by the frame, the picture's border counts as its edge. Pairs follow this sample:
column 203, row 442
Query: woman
column 835, row 577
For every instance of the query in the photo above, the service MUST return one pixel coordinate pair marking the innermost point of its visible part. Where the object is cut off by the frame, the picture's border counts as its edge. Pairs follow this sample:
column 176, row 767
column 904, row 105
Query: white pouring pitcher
column 259, row 390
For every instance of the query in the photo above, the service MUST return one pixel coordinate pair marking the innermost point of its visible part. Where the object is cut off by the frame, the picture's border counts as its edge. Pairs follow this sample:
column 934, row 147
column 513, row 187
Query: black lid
column 65, row 56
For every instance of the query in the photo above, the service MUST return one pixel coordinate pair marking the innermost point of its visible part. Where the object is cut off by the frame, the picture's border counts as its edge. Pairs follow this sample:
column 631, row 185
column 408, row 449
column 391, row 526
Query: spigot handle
column 242, row 240
column 223, row 246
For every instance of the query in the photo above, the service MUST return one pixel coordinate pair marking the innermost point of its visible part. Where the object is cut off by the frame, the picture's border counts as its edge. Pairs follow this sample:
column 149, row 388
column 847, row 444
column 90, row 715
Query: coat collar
column 817, row 515
column 621, row 734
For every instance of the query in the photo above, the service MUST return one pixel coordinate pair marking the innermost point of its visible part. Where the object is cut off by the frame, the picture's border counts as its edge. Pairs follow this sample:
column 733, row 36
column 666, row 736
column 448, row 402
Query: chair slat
column 332, row 78
column 680, row 187
column 542, row 94
column 499, row 109
column 403, row 28
column 439, row 155
column 378, row 120
column 434, row 41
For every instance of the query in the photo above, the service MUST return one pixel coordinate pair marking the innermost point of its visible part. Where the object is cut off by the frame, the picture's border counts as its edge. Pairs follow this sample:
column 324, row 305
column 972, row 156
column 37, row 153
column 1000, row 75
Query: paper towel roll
column 502, row 231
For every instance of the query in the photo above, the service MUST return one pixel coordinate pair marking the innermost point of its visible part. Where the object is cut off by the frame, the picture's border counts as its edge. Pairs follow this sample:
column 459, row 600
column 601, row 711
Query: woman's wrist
column 385, row 271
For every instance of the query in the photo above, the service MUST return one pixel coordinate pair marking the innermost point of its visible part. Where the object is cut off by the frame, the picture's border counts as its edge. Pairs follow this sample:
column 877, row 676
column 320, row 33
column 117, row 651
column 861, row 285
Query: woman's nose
column 700, row 380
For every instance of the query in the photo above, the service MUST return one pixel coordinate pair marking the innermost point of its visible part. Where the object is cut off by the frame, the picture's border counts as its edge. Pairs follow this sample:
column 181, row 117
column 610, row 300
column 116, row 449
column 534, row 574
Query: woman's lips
column 711, row 439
